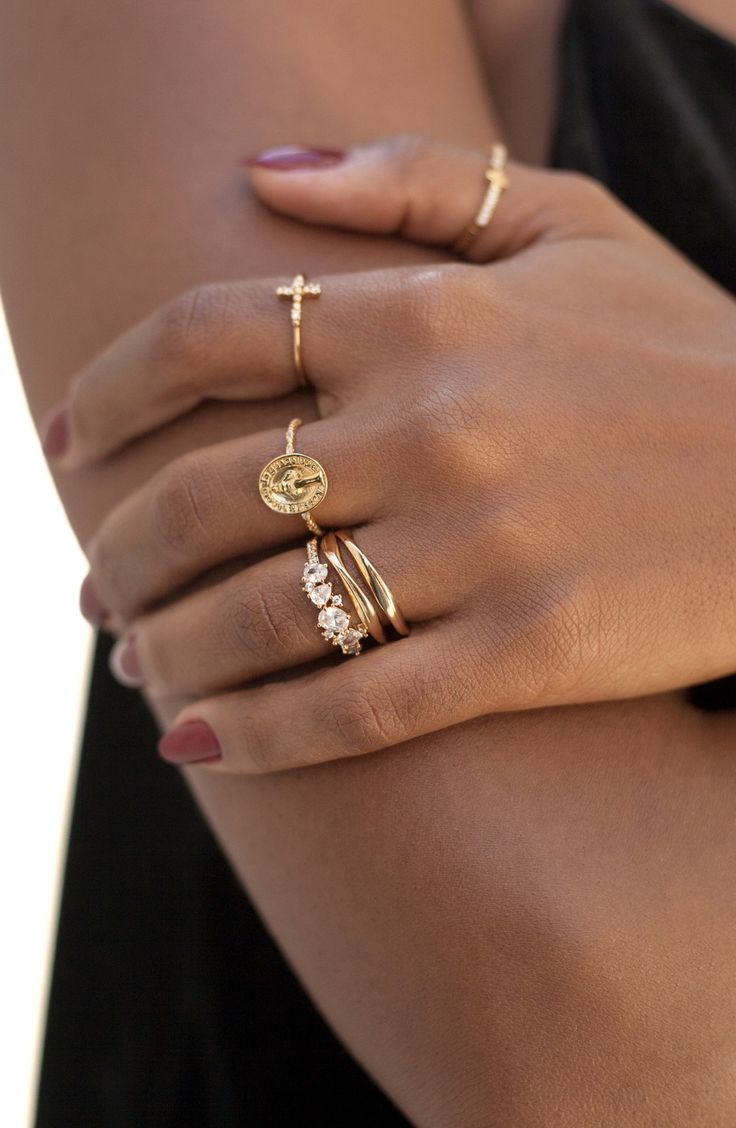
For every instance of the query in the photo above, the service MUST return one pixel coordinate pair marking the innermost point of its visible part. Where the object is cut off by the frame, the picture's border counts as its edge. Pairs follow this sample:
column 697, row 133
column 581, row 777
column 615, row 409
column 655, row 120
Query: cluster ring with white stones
column 333, row 620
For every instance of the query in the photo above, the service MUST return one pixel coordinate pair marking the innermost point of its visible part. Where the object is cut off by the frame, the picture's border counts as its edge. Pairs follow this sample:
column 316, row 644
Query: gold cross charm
column 498, row 177
column 296, row 293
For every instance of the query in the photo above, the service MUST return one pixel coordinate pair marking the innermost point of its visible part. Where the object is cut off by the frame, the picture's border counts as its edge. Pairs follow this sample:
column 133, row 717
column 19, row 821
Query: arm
column 447, row 903
column 109, row 113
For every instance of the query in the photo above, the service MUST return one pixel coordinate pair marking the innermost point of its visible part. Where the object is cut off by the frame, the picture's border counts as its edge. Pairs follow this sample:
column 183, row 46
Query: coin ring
column 276, row 490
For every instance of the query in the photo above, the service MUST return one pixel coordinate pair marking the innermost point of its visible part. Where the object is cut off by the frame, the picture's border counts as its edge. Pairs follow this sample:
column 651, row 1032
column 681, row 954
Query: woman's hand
column 536, row 454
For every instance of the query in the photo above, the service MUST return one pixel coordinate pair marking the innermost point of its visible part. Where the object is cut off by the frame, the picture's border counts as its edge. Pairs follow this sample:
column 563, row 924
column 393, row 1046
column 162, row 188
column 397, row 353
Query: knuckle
column 362, row 720
column 449, row 436
column 184, row 506
column 110, row 574
column 83, row 408
column 550, row 642
column 184, row 328
column 157, row 658
column 263, row 626
column 256, row 735
column 407, row 150
column 585, row 191
column 435, row 305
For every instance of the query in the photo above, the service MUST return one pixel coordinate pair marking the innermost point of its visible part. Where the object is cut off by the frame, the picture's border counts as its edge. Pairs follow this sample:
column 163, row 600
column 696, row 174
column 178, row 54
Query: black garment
column 170, row 1004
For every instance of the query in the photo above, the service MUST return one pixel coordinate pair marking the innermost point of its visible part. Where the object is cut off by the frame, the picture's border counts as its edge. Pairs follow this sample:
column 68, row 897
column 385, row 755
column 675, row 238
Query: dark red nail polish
column 56, row 434
column 124, row 663
column 190, row 743
column 288, row 158
column 90, row 604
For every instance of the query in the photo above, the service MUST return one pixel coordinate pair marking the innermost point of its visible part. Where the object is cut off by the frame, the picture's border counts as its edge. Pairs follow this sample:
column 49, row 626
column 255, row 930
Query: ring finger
column 255, row 623
column 204, row 509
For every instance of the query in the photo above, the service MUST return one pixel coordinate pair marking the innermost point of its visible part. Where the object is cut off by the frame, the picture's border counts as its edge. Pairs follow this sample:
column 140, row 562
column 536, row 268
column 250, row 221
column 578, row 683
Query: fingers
column 379, row 699
column 428, row 192
column 204, row 509
column 230, row 340
column 258, row 622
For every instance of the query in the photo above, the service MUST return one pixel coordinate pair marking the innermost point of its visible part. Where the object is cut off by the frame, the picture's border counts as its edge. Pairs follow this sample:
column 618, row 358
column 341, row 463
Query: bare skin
column 528, row 919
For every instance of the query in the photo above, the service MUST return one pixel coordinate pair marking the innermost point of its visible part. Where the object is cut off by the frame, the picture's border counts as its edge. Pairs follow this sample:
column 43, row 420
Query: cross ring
column 295, row 293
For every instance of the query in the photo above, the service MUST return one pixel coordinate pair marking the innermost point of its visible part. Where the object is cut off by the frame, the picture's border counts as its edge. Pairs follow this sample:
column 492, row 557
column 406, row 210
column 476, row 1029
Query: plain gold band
column 379, row 589
column 498, row 181
column 364, row 609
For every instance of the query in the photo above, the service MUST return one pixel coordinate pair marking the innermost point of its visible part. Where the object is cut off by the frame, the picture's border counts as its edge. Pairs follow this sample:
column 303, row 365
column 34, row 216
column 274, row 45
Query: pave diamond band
column 333, row 620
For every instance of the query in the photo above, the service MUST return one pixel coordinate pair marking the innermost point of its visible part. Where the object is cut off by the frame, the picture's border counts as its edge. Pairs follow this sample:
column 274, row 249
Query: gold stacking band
column 296, row 292
column 498, row 181
column 334, row 621
column 378, row 586
column 364, row 608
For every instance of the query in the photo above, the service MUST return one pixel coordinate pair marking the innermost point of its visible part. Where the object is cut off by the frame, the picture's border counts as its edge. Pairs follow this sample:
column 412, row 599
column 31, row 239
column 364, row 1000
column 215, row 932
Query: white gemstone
column 337, row 600
column 315, row 573
column 351, row 641
column 321, row 594
column 333, row 619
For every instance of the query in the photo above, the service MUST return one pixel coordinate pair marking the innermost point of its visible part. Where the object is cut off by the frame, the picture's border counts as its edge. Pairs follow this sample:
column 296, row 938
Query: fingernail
column 287, row 158
column 124, row 663
column 190, row 743
column 90, row 604
column 55, row 433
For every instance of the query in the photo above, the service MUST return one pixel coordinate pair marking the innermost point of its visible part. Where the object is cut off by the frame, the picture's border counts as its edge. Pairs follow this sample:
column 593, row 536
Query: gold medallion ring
column 294, row 482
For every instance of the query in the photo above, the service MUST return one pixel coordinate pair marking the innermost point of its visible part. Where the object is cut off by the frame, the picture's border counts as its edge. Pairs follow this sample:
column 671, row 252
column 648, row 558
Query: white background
column 44, row 654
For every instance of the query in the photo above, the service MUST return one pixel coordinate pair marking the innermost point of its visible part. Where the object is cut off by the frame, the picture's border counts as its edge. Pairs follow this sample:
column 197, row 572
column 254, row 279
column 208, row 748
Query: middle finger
column 259, row 621
column 204, row 509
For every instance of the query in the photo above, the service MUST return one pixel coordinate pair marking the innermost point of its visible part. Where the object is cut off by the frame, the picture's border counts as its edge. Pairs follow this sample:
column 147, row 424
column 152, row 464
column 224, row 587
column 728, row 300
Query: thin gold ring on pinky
column 293, row 482
column 498, row 182
column 378, row 587
column 296, row 293
column 333, row 620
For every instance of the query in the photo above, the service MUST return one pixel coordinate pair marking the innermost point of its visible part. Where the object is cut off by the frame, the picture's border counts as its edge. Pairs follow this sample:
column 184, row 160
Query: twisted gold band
column 498, row 181
column 364, row 609
column 378, row 587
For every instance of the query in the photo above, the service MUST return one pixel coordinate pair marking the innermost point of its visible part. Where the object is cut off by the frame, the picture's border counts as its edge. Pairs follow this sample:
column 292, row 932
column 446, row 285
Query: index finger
column 226, row 340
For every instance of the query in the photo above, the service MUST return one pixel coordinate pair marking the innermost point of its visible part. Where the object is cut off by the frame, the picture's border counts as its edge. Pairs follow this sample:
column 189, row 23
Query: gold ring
column 364, row 609
column 292, row 482
column 333, row 620
column 296, row 293
column 498, row 181
column 378, row 587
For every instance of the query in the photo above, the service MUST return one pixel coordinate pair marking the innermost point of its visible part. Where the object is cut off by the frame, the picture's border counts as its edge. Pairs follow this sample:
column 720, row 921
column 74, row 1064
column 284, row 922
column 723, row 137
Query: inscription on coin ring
column 292, row 483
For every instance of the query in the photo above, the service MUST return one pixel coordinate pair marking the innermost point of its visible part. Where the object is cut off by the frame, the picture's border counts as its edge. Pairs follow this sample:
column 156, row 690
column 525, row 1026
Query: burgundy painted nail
column 56, row 433
column 287, row 158
column 90, row 604
column 124, row 663
column 190, row 743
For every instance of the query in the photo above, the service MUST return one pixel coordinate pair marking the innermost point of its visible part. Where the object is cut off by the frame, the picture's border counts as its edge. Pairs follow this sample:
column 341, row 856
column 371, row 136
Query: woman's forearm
column 415, row 891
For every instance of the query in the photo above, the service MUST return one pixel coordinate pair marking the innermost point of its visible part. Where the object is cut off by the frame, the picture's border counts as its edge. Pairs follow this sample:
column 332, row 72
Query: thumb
column 429, row 192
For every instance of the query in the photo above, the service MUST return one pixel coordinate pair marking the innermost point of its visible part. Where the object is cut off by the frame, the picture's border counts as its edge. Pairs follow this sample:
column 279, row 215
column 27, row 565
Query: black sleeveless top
column 170, row 1004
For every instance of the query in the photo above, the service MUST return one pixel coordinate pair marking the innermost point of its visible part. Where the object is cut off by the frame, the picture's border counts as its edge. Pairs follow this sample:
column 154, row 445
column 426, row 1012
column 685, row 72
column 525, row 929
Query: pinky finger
column 384, row 697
